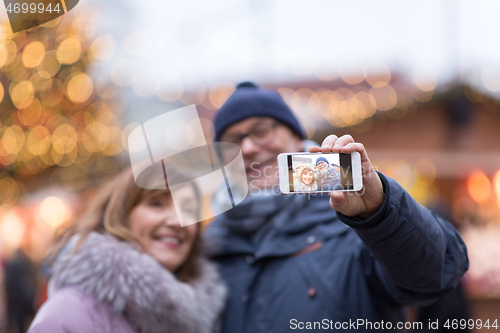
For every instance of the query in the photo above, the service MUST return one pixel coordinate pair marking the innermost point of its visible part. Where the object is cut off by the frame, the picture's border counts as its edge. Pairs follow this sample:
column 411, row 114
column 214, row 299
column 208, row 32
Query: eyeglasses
column 260, row 136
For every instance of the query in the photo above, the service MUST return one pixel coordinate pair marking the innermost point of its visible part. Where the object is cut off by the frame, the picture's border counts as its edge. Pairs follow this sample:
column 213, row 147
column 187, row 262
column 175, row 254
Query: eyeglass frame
column 242, row 137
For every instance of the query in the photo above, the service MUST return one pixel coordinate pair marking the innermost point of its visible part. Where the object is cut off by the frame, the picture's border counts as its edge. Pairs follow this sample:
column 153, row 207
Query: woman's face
column 307, row 177
column 154, row 222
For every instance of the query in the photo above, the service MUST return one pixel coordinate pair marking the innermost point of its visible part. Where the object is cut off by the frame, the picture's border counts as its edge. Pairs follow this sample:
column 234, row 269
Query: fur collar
column 136, row 285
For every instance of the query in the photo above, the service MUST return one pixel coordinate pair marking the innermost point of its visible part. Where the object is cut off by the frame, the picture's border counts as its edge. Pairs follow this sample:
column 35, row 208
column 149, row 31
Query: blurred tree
column 58, row 125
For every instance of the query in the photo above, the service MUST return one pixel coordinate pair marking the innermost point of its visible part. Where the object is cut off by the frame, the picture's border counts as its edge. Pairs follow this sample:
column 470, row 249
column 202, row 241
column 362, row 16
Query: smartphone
column 319, row 173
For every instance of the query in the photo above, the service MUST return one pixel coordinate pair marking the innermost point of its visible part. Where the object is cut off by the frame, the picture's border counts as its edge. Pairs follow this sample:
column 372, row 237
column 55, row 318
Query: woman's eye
column 157, row 203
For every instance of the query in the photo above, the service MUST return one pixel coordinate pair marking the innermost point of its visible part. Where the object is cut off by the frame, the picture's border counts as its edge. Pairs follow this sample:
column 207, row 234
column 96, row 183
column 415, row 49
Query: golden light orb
column 79, row 88
column 102, row 48
column 22, row 94
column 69, row 51
column 479, row 187
column 33, row 54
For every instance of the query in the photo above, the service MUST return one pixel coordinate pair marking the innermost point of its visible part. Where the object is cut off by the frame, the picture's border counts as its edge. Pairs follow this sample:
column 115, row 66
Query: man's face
column 322, row 166
column 261, row 165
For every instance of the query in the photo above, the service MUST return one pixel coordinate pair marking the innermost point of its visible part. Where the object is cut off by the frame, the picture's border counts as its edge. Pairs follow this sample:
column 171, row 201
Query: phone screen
column 319, row 172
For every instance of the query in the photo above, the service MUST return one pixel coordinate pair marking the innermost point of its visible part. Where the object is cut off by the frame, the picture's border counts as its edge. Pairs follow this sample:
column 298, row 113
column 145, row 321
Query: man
column 327, row 176
column 324, row 261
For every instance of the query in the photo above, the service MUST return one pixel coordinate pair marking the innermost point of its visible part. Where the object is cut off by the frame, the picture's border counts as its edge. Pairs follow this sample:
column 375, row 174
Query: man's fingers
column 341, row 142
column 326, row 146
column 355, row 146
column 337, row 199
column 314, row 149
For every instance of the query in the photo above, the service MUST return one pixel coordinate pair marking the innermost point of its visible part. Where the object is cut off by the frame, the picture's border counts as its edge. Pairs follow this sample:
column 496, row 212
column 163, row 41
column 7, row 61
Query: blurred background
column 418, row 83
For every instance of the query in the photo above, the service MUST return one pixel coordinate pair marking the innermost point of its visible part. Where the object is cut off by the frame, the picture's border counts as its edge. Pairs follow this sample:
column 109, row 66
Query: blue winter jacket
column 328, row 274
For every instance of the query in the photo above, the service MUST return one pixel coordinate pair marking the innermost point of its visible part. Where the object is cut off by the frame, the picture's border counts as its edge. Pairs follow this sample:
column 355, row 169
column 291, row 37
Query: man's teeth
column 170, row 240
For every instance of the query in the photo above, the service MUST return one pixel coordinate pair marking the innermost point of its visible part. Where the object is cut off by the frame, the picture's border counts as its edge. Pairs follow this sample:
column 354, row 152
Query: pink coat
column 110, row 286
column 70, row 310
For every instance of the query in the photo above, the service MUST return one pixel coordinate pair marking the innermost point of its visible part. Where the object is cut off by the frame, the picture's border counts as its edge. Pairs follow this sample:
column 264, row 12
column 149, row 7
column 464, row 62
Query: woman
column 128, row 267
column 305, row 182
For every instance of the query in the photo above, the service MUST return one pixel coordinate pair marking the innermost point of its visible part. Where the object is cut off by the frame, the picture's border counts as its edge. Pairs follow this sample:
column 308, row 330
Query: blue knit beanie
column 250, row 101
column 321, row 158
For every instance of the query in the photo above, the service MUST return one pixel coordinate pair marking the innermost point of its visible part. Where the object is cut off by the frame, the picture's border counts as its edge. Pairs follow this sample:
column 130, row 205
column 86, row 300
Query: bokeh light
column 53, row 211
column 50, row 64
column 38, row 140
column 352, row 71
column 10, row 190
column 378, row 73
column 33, row 54
column 79, row 88
column 2, row 92
column 220, row 92
column 12, row 230
column 4, row 55
column 69, row 50
column 102, row 48
column 96, row 137
column 496, row 186
column 385, row 97
column 479, row 187
column 425, row 78
column 21, row 93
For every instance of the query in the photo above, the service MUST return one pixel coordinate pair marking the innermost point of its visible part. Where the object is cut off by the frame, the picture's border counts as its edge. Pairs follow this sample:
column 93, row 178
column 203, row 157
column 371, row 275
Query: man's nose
column 248, row 147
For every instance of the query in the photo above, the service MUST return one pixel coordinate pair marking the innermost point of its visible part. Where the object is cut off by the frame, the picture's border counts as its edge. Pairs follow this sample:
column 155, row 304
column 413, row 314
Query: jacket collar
column 136, row 285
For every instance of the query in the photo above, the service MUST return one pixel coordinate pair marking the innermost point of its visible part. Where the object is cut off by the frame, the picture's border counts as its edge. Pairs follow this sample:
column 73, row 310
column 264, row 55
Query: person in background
column 292, row 261
column 305, row 182
column 327, row 176
column 128, row 266
column 20, row 291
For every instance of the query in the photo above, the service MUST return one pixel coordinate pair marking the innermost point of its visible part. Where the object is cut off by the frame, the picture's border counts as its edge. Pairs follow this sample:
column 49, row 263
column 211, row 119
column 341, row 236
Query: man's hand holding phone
column 362, row 204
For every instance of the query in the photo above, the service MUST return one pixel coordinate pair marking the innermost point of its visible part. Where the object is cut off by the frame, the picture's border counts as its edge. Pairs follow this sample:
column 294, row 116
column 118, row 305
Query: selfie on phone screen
column 319, row 172
column 316, row 173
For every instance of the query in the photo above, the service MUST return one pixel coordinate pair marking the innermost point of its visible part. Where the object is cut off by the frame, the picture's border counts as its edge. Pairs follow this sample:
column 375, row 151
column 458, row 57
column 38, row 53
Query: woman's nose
column 171, row 219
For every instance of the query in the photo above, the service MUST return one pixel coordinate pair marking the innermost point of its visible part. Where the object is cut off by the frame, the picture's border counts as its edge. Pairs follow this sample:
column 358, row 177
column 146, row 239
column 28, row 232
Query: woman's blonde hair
column 109, row 213
column 301, row 172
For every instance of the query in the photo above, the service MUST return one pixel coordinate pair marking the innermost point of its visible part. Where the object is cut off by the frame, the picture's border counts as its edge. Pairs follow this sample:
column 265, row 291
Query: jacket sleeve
column 418, row 255
column 63, row 313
